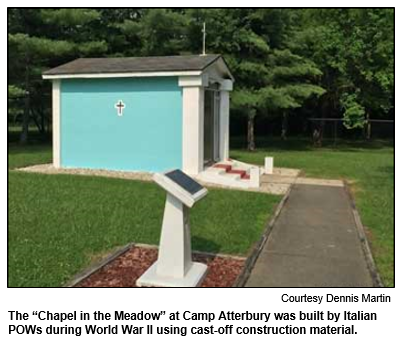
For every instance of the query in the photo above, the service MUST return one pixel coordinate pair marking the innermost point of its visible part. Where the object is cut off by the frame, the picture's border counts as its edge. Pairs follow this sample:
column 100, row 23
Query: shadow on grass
column 205, row 245
column 28, row 148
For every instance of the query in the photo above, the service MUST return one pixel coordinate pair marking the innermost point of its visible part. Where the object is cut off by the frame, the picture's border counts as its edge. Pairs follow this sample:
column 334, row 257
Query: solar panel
column 184, row 181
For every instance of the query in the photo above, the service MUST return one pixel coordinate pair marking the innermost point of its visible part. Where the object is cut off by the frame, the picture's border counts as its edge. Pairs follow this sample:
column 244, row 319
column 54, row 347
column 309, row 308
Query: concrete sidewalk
column 314, row 243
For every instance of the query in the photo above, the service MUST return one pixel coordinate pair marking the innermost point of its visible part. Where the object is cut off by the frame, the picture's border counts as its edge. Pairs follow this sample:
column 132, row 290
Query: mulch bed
column 223, row 271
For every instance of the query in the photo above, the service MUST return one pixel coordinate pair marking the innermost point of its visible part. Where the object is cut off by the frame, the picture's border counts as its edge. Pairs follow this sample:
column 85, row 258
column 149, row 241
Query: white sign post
column 174, row 267
column 268, row 165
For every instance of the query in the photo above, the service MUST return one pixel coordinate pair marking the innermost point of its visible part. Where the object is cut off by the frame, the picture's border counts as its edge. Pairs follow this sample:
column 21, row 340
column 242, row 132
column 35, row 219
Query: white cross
column 120, row 107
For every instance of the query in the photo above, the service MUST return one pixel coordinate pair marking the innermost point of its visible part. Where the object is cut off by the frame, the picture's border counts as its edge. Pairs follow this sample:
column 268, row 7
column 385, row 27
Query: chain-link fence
column 334, row 129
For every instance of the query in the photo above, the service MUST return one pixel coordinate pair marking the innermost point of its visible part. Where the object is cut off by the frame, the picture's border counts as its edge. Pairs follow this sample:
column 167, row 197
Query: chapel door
column 211, row 125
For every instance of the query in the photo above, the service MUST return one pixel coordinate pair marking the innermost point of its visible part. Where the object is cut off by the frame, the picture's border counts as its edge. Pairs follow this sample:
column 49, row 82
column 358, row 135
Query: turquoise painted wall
column 148, row 136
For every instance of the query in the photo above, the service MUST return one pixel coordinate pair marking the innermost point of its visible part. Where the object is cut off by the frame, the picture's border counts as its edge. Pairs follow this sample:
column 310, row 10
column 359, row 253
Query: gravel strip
column 267, row 187
column 127, row 268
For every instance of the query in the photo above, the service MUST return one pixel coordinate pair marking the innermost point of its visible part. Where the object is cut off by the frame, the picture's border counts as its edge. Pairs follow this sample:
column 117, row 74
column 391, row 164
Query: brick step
column 229, row 170
column 239, row 172
column 227, row 167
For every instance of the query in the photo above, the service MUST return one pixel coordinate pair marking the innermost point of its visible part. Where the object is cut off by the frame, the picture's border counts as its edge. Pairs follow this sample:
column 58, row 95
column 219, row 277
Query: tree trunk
column 368, row 127
column 26, row 118
column 325, row 115
column 284, row 126
column 43, row 125
column 251, row 130
column 322, row 128
column 37, row 124
column 39, row 120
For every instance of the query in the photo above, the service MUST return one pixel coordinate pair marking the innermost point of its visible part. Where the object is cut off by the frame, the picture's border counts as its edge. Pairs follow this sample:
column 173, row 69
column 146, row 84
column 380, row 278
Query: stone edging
column 377, row 282
column 255, row 252
column 213, row 255
column 120, row 251
column 93, row 268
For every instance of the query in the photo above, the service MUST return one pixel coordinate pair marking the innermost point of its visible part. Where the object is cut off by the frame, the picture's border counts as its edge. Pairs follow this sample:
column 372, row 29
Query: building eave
column 121, row 75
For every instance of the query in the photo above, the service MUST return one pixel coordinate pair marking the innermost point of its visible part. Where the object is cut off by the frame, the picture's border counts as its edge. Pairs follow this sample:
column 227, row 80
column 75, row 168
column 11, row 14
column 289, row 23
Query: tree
column 292, row 81
column 31, row 49
column 156, row 32
column 370, row 61
column 269, row 77
column 336, row 62
column 242, row 36
column 354, row 50
column 41, row 38
column 110, row 30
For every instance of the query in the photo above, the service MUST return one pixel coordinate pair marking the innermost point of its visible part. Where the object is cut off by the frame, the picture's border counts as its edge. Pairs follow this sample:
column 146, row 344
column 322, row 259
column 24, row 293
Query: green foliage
column 292, row 80
column 69, row 17
column 354, row 113
column 287, row 66
column 254, row 73
column 289, row 96
column 286, row 61
column 38, row 48
column 92, row 48
column 15, row 92
column 244, row 99
column 277, row 98
column 252, row 43
column 354, row 49
column 14, row 109
column 268, row 75
column 158, row 31
column 222, row 32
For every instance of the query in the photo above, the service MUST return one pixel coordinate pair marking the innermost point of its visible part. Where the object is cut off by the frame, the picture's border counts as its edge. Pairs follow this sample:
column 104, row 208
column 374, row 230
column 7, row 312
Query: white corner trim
column 193, row 129
column 224, row 68
column 226, row 85
column 56, row 123
column 122, row 75
column 201, row 80
column 224, row 125
column 255, row 177
column 268, row 165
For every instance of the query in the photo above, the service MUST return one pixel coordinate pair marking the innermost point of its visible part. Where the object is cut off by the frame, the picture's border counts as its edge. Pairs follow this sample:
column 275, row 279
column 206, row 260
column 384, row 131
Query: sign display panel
column 184, row 181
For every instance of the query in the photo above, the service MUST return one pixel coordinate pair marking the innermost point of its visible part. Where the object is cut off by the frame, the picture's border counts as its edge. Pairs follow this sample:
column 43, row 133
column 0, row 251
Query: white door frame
column 193, row 123
column 225, row 87
column 216, row 127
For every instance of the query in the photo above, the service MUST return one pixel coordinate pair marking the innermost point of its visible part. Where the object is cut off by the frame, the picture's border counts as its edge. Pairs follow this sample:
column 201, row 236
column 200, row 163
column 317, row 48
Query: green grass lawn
column 24, row 156
column 369, row 167
column 58, row 224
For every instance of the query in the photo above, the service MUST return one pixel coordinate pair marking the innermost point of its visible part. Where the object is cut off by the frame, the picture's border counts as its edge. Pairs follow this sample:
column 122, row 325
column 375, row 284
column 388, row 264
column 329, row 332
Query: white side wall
column 56, row 122
column 226, row 86
column 193, row 123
